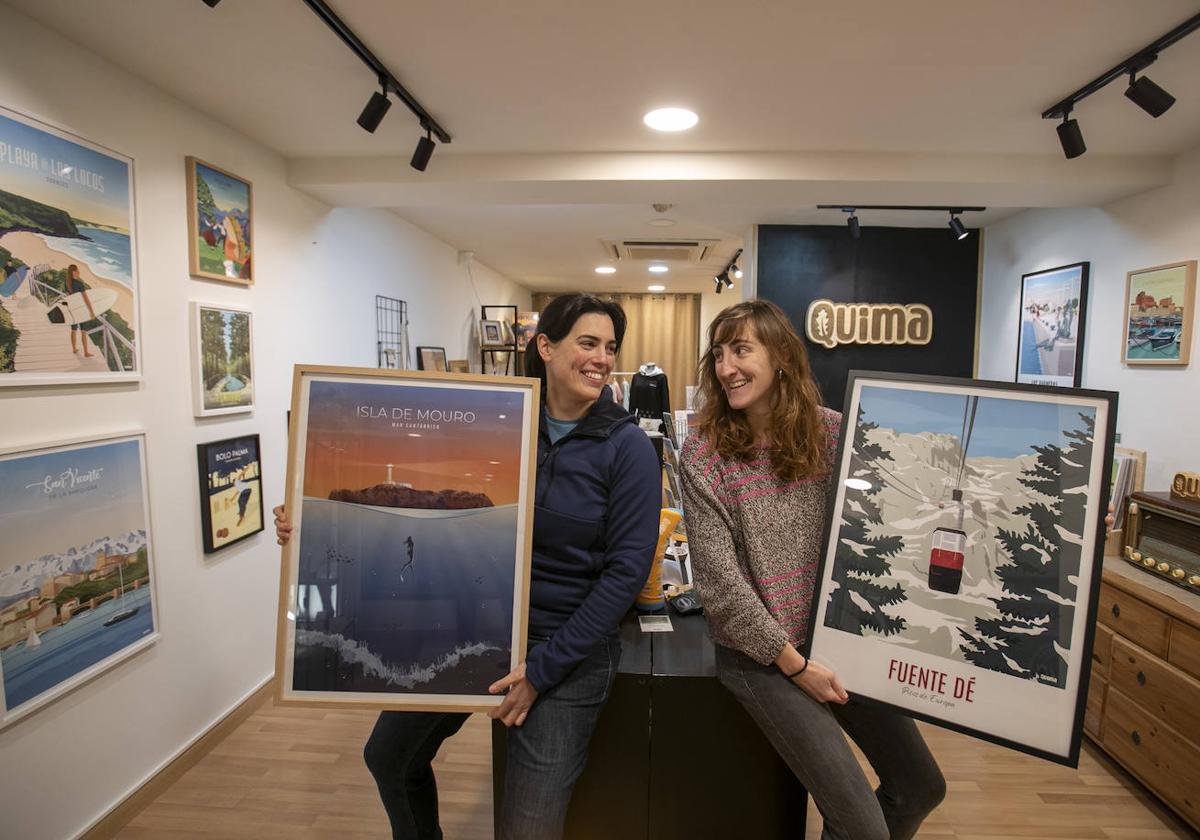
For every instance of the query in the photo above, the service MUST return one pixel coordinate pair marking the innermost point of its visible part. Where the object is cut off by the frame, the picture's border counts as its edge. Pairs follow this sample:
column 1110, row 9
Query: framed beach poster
column 68, row 288
column 222, row 359
column 77, row 571
column 405, row 583
column 231, row 502
column 965, row 534
column 1159, row 301
column 220, row 223
column 1053, row 310
column 431, row 358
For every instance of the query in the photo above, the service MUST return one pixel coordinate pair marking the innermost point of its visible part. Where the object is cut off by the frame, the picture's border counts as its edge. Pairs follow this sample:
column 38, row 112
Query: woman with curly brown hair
column 755, row 479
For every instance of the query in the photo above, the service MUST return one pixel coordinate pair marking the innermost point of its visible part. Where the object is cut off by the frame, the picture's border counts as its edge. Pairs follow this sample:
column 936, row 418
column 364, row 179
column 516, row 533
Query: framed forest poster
column 965, row 531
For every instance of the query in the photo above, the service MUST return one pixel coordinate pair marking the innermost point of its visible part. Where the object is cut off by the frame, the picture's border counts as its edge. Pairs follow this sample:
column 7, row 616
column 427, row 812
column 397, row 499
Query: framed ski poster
column 405, row 583
column 964, row 540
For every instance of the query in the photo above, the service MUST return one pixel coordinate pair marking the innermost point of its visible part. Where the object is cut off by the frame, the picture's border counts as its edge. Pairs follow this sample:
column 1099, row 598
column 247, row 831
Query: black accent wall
column 798, row 264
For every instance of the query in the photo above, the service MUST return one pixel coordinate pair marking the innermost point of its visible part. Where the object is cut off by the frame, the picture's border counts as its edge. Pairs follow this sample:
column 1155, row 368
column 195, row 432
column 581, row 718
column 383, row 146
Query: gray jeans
column 808, row 736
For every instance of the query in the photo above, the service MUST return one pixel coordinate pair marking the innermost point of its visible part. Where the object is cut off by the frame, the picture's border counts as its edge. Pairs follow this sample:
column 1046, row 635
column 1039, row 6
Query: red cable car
column 946, row 559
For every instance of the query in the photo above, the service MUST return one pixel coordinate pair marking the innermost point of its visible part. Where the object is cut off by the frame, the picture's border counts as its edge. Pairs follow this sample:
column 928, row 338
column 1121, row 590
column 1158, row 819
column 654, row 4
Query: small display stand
column 508, row 350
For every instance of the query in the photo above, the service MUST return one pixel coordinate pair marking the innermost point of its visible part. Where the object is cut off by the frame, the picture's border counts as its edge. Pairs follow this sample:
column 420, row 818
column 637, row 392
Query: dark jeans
column 545, row 756
column 808, row 736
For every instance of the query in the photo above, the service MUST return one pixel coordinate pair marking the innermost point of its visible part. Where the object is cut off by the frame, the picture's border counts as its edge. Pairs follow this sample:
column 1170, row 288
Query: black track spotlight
column 1148, row 96
column 1071, row 137
column 212, row 4
column 723, row 279
column 852, row 223
column 372, row 115
column 424, row 152
column 718, row 286
column 960, row 232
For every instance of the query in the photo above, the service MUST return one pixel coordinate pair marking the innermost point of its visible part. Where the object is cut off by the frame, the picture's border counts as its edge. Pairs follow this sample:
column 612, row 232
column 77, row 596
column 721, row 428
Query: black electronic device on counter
column 686, row 603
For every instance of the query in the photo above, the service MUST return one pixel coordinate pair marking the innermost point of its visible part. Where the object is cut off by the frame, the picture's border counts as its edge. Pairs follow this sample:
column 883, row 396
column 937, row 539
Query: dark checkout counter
column 674, row 755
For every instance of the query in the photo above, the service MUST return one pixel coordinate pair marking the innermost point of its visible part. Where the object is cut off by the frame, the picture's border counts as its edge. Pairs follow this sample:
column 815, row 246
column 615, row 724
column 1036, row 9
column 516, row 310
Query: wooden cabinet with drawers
column 1143, row 705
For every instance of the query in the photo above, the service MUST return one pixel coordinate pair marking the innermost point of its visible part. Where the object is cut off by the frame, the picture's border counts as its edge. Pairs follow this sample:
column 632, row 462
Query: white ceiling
column 876, row 101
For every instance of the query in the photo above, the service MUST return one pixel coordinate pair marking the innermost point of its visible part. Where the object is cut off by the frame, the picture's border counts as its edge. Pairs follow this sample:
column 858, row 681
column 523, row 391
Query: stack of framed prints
column 77, row 571
column 1159, row 301
column 222, row 360
column 231, row 503
column 405, row 583
column 1053, row 311
column 965, row 534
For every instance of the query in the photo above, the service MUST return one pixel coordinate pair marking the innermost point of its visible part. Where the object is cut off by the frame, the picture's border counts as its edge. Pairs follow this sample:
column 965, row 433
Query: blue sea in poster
column 404, row 600
column 106, row 253
column 70, row 648
column 1031, row 360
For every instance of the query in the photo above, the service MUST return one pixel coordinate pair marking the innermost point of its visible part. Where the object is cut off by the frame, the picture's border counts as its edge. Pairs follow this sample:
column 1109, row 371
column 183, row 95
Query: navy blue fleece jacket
column 595, row 527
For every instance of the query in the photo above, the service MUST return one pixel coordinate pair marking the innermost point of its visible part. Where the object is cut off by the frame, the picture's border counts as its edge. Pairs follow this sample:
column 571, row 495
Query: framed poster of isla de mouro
column 222, row 359
column 405, row 582
column 220, row 223
column 77, row 574
column 1159, row 302
column 965, row 533
column 1053, row 311
column 231, row 502
column 69, row 293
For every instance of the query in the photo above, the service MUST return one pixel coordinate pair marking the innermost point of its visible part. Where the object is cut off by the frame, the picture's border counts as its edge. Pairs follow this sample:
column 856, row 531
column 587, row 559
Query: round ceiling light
column 658, row 269
column 671, row 119
column 605, row 269
column 657, row 288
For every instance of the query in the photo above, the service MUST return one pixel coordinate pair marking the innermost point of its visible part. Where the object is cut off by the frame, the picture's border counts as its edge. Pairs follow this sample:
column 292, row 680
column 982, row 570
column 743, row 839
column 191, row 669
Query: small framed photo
column 431, row 358
column 222, row 360
column 491, row 333
column 231, row 503
column 220, row 223
column 1160, row 301
column 1053, row 310
column 459, row 366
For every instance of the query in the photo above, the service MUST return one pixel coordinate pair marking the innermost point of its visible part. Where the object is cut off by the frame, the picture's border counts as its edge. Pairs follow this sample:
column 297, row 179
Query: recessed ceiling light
column 657, row 288
column 658, row 269
column 671, row 119
column 605, row 269
column 662, row 222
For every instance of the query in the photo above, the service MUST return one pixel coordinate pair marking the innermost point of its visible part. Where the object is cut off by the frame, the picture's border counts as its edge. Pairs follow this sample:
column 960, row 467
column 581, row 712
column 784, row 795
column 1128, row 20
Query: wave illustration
column 357, row 653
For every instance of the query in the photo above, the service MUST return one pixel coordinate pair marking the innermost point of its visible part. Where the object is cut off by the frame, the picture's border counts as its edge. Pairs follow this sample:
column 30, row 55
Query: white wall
column 317, row 273
column 1158, row 406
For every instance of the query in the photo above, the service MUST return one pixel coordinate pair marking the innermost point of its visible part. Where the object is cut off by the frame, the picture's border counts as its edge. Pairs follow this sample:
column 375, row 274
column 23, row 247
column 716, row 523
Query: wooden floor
column 298, row 774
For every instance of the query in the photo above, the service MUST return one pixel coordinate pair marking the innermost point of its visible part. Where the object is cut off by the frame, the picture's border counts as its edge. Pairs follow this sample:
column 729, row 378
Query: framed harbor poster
column 1160, row 300
column 965, row 532
column 222, row 359
column 68, row 285
column 1053, row 310
column 231, row 502
column 77, row 570
column 405, row 583
column 220, row 223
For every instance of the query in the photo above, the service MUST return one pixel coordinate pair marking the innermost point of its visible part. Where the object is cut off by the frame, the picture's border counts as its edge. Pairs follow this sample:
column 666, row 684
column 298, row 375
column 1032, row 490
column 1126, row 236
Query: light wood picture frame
column 405, row 582
column 1159, row 306
column 220, row 213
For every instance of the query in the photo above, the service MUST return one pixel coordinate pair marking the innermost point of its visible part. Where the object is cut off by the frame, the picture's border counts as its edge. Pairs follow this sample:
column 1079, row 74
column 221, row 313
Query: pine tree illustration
column 858, row 600
column 1033, row 632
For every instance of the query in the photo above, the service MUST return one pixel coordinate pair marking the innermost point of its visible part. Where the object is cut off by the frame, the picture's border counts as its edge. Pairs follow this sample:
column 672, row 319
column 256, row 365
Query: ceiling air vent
column 660, row 250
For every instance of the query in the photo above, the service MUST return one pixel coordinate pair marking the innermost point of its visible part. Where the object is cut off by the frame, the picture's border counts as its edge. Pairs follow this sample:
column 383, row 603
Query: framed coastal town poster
column 1159, row 301
column 231, row 502
column 405, row 583
column 68, row 287
column 220, row 223
column 965, row 531
column 77, row 570
column 1053, row 310
column 222, row 359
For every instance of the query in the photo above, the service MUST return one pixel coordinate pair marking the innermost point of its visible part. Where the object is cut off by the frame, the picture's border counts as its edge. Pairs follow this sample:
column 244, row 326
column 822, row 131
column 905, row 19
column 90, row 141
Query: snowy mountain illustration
column 24, row 578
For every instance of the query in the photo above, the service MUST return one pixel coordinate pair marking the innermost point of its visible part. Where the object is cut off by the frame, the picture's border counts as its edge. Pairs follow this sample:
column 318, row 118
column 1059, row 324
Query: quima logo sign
column 830, row 324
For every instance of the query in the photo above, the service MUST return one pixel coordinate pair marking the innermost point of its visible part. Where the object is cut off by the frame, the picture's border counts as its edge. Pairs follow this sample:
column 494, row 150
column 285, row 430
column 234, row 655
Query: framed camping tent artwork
column 231, row 503
column 77, row 575
column 965, row 532
column 220, row 223
column 69, row 294
column 405, row 583
column 222, row 359
column 1160, row 301
column 1053, row 311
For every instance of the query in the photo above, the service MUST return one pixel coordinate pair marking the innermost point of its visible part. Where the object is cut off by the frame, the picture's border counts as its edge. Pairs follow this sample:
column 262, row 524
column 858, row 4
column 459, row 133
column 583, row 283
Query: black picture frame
column 224, row 466
column 435, row 354
column 1019, row 712
column 1036, row 334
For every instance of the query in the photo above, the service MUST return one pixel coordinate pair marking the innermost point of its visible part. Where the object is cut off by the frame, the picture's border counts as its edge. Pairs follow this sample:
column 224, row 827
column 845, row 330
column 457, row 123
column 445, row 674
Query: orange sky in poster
column 435, row 438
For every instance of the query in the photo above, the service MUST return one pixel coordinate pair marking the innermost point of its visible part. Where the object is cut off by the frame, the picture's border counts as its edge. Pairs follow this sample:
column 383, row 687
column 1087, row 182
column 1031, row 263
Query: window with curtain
column 662, row 328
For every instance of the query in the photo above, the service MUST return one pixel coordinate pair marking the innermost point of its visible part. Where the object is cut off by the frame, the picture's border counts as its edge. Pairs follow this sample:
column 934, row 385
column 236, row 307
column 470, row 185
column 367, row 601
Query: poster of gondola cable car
column 965, row 533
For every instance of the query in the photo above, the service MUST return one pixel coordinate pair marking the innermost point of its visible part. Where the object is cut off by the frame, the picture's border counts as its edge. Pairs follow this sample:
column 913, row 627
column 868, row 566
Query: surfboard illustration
column 72, row 309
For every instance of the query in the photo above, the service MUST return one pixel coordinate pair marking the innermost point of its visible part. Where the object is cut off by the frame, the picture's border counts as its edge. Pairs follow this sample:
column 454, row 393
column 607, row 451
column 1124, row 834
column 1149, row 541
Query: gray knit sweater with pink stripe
column 755, row 543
